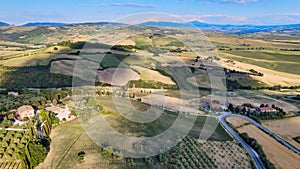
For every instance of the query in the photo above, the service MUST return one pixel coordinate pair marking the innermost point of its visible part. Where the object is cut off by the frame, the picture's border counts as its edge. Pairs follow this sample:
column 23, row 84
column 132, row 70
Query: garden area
column 21, row 149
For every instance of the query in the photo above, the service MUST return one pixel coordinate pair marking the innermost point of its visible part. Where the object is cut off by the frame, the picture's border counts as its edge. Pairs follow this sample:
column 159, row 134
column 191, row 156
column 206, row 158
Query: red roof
column 267, row 109
column 216, row 106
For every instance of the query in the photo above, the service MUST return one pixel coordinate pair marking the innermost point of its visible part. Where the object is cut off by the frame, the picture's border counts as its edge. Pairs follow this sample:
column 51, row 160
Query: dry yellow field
column 33, row 57
column 278, row 154
column 67, row 140
column 286, row 128
column 148, row 74
column 117, row 76
column 236, row 122
column 126, row 42
column 271, row 77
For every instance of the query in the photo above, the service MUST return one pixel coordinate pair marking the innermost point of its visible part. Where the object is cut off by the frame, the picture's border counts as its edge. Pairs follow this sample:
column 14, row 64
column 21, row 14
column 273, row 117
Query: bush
column 25, row 119
column 258, row 148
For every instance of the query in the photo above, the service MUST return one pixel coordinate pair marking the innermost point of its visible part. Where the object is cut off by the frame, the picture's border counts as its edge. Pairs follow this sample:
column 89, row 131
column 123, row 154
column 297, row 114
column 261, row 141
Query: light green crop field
column 31, row 57
column 272, row 56
column 252, row 41
column 282, row 62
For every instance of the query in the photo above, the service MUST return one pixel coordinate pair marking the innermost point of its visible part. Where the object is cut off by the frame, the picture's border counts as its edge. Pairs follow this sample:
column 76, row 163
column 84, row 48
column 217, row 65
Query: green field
column 280, row 56
column 157, row 126
column 69, row 138
column 267, row 60
column 107, row 60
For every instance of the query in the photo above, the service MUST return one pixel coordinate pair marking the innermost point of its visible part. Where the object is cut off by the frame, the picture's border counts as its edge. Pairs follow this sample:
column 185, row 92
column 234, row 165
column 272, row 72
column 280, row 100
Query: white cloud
column 239, row 1
column 275, row 19
column 131, row 4
column 228, row 1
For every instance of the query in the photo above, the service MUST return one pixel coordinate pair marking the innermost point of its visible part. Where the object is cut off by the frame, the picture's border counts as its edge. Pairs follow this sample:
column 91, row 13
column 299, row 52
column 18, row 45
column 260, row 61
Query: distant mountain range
column 60, row 24
column 45, row 24
column 237, row 29
column 227, row 28
column 66, row 24
column 4, row 24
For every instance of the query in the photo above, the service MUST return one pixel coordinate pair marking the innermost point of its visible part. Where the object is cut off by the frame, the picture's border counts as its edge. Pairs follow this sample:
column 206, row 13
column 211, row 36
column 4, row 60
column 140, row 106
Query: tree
column 230, row 107
column 80, row 156
column 6, row 123
column 73, row 113
column 237, row 110
column 34, row 118
column 215, row 102
column 37, row 153
column 244, row 110
column 54, row 101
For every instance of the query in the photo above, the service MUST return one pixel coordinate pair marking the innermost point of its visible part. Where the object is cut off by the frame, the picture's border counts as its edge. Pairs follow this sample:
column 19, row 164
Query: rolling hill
column 238, row 29
column 4, row 24
column 45, row 24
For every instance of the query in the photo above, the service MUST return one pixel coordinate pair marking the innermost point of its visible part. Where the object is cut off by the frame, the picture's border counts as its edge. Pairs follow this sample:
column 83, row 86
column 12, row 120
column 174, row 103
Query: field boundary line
column 68, row 149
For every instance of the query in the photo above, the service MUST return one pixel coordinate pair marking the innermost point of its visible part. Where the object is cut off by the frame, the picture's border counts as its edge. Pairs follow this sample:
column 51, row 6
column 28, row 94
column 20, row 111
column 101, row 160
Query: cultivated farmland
column 287, row 128
column 278, row 154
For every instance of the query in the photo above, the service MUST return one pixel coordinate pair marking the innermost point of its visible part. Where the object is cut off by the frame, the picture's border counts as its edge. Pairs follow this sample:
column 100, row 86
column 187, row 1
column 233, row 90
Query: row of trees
column 276, row 87
column 223, row 48
column 151, row 84
column 187, row 154
column 252, row 72
column 234, row 84
column 257, row 147
column 39, row 145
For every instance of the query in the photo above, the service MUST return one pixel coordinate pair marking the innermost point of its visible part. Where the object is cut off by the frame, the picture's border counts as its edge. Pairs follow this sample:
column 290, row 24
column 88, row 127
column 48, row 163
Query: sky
column 257, row 12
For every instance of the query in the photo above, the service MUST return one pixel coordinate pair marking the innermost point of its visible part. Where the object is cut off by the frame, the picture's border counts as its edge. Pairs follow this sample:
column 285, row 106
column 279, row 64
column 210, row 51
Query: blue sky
column 210, row 11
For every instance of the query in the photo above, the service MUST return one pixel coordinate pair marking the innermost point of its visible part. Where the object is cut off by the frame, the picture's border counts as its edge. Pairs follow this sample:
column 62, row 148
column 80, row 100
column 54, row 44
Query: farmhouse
column 267, row 109
column 25, row 111
column 15, row 94
column 60, row 113
column 216, row 106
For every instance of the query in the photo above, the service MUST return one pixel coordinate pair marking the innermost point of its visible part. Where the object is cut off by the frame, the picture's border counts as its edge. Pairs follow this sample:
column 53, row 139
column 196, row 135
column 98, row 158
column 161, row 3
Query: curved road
column 261, row 127
column 249, row 149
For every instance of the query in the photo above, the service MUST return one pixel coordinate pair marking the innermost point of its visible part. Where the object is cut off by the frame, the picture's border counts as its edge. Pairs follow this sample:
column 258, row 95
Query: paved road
column 13, row 129
column 275, row 136
column 249, row 149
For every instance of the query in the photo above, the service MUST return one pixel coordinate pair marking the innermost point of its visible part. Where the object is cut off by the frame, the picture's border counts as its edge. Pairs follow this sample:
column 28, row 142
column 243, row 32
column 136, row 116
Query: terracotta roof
column 216, row 106
column 267, row 109
column 25, row 108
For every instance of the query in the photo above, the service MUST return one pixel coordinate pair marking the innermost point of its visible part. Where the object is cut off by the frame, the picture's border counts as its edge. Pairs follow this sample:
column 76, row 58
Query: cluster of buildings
column 60, row 113
column 266, row 109
column 238, row 109
column 27, row 111
column 257, row 110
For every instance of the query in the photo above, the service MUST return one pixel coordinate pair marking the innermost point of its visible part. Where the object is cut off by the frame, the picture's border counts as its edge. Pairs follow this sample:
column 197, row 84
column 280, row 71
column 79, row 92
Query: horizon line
column 87, row 22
